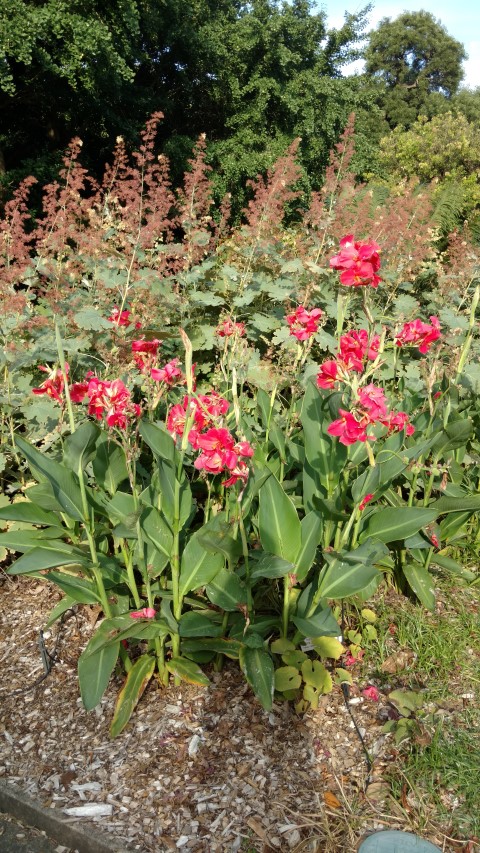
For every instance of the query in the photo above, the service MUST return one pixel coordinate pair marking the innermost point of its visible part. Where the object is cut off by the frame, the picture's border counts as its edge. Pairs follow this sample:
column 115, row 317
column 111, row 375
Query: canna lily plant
column 229, row 522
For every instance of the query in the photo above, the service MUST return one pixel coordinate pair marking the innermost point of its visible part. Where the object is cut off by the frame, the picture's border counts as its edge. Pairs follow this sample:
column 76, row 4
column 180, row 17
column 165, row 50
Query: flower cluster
column 219, row 452
column 145, row 356
column 355, row 349
column 54, row 384
column 304, row 324
column 106, row 399
column 419, row 334
column 229, row 327
column 358, row 261
column 370, row 408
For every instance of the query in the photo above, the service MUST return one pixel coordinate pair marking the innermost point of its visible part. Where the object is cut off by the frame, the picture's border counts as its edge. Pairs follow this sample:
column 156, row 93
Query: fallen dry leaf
column 398, row 661
column 331, row 800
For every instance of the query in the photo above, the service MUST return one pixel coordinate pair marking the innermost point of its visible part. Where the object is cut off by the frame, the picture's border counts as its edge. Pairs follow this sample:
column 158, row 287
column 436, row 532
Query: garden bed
column 202, row 769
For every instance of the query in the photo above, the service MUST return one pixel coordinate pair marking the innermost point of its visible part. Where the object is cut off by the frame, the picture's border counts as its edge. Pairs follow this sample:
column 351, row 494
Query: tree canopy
column 416, row 59
column 251, row 76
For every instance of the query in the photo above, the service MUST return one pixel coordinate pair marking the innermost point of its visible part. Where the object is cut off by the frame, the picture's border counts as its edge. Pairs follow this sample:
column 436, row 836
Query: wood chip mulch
column 196, row 769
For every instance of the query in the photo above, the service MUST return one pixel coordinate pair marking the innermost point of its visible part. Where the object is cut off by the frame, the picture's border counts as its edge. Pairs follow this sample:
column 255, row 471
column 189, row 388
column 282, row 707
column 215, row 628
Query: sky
column 461, row 19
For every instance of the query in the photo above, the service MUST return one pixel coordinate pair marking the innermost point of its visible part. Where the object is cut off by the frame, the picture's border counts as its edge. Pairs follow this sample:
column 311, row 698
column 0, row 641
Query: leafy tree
column 65, row 65
column 251, row 76
column 443, row 149
column 417, row 61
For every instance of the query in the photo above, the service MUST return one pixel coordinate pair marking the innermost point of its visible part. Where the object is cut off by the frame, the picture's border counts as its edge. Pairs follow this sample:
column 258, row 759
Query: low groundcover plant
column 230, row 521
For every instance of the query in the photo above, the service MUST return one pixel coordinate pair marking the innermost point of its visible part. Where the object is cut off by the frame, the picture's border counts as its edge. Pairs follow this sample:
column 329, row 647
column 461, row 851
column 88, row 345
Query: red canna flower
column 169, row 373
column 240, row 472
column 111, row 400
column 355, row 347
column 348, row 429
column 358, row 262
column 328, row 374
column 144, row 613
column 363, row 503
column 229, row 328
column 372, row 400
column 303, row 324
column 54, row 384
column 419, row 334
column 396, row 421
column 78, row 391
column 122, row 318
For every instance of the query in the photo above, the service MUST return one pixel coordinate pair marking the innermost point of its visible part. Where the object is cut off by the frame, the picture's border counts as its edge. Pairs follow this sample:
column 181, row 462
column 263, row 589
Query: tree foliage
column 252, row 77
column 416, row 60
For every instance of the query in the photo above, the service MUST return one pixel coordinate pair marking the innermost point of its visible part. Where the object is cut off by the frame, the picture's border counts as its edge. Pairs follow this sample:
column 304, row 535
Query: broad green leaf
column 193, row 624
column 469, row 503
column 257, row 667
column 198, row 566
column 294, row 658
column 320, row 624
column 280, row 531
column 407, row 701
column 80, row 590
column 158, row 532
column 30, row 513
column 453, row 567
column 454, row 523
column 109, row 465
column 348, row 572
column 42, row 495
column 79, row 447
column 121, row 509
column 50, row 554
column 270, row 566
column 64, row 484
column 455, row 435
column 343, row 675
column 131, row 692
column 227, row 591
column 23, row 540
column 287, row 678
column 315, row 675
column 420, row 581
column 395, row 524
column 94, row 671
column 158, row 440
column 221, row 645
column 218, row 537
column 325, row 456
column 311, row 532
column 328, row 647
column 281, row 646
column 187, row 670
column 166, row 477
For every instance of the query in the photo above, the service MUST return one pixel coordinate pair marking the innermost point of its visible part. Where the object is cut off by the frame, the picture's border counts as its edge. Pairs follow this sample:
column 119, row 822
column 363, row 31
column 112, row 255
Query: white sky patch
column 472, row 65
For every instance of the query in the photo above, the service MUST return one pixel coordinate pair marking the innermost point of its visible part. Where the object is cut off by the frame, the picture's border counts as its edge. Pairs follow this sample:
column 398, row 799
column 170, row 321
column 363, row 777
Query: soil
column 196, row 769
